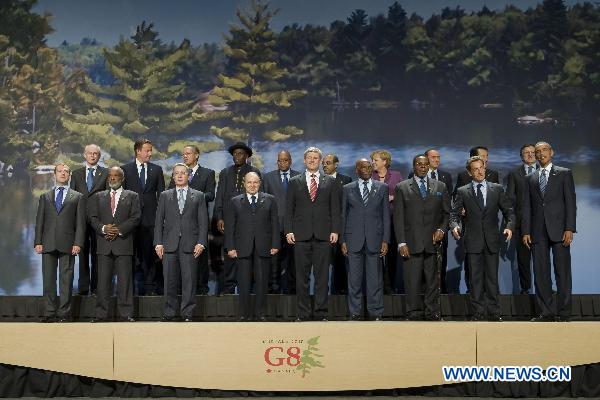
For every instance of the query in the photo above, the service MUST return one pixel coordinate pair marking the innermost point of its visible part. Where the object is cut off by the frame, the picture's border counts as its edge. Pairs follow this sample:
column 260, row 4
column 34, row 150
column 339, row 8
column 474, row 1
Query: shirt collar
column 87, row 166
column 317, row 174
column 195, row 168
column 249, row 196
column 119, row 190
column 138, row 163
column 547, row 168
column 362, row 181
column 66, row 187
column 334, row 175
column 483, row 182
column 185, row 188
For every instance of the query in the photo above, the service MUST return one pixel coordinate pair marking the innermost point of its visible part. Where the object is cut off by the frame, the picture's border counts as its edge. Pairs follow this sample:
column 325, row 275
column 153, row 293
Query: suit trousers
column 561, row 258
column 258, row 268
column 523, row 262
column 483, row 272
column 339, row 275
column 180, row 267
column 313, row 254
column 364, row 266
column 147, row 260
column 65, row 263
column 109, row 265
column 203, row 272
column 88, row 263
column 283, row 273
column 416, row 267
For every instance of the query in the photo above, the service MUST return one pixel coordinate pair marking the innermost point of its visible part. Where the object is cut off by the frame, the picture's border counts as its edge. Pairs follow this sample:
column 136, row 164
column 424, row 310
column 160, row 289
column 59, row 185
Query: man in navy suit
column 365, row 235
column 549, row 214
column 147, row 180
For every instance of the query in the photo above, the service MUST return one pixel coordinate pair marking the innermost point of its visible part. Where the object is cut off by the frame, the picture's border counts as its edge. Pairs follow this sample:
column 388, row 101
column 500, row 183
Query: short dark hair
column 140, row 143
column 524, row 146
column 335, row 158
column 417, row 156
column 426, row 152
column 471, row 160
column 193, row 147
column 475, row 150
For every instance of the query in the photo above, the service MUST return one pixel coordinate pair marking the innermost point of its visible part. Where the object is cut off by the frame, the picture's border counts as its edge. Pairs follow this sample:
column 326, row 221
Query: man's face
column 115, row 179
column 329, row 166
column 434, row 159
column 528, row 155
column 364, row 170
column 312, row 159
column 544, row 154
column 483, row 154
column 92, row 155
column 421, row 166
column 477, row 171
column 62, row 175
column 284, row 161
column 189, row 156
column 180, row 174
column 251, row 183
column 239, row 157
column 145, row 153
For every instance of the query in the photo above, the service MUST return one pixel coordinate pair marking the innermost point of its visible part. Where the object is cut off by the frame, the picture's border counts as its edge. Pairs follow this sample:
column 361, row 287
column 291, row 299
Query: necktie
column 422, row 188
column 433, row 175
column 529, row 170
column 313, row 187
column 59, row 199
column 143, row 176
column 113, row 202
column 480, row 196
column 180, row 201
column 543, row 182
column 90, row 179
column 253, row 204
column 285, row 181
column 365, row 193
column 190, row 175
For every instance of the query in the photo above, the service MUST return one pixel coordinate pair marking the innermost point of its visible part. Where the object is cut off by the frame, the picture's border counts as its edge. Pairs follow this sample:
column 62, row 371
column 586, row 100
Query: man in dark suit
column 339, row 277
column 180, row 236
column 203, row 180
column 515, row 189
column 89, row 180
column 147, row 180
column 59, row 236
column 114, row 215
column 282, row 266
column 312, row 223
column 365, row 235
column 231, row 184
column 252, row 237
column 421, row 214
column 481, row 201
column 549, row 221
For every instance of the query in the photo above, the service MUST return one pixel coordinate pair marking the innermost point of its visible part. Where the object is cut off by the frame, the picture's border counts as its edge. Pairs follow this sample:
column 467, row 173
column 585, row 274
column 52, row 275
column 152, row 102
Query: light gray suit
column 364, row 229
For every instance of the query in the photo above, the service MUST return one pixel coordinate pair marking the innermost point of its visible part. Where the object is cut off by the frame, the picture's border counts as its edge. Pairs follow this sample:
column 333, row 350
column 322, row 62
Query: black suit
column 88, row 271
column 312, row 222
column 546, row 217
column 115, row 255
column 148, row 194
column 482, row 241
column 339, row 263
column 204, row 181
column 252, row 232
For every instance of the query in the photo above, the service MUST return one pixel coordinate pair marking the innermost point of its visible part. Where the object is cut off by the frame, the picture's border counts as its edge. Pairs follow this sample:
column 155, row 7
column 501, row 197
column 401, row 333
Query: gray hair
column 313, row 150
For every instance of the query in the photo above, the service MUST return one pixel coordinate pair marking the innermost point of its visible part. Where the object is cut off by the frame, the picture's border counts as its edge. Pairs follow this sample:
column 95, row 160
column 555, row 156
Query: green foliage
column 309, row 357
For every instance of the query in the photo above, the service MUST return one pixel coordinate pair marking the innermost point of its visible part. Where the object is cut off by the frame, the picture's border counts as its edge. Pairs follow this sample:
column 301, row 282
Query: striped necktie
column 543, row 182
column 313, row 187
column 365, row 193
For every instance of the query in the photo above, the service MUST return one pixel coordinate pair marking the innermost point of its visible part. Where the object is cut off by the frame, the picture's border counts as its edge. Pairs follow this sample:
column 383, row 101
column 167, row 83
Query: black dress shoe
column 355, row 317
column 414, row 318
column 167, row 319
column 48, row 319
column 95, row 320
column 495, row 318
column 543, row 318
column 262, row 319
column 434, row 317
column 65, row 319
column 563, row 318
column 375, row 318
column 324, row 319
column 525, row 291
column 83, row 293
column 129, row 319
column 301, row 319
column 243, row 319
column 188, row 319
column 477, row 317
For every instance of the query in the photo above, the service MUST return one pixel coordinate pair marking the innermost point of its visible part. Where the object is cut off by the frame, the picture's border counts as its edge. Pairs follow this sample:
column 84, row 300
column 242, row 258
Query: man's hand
column 160, row 251
column 75, row 250
column 221, row 226
column 463, row 212
column 384, row 249
column 38, row 248
column 232, row 253
column 344, row 250
column 274, row 251
column 438, row 236
column 333, row 237
column 527, row 241
column 456, row 232
column 291, row 239
column 567, row 238
column 198, row 248
column 507, row 233
column 404, row 252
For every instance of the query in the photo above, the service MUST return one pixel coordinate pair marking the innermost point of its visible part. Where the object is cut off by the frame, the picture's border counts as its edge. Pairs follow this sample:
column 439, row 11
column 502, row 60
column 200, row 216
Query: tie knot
column 60, row 188
column 284, row 173
column 312, row 176
column 479, row 185
column 423, row 180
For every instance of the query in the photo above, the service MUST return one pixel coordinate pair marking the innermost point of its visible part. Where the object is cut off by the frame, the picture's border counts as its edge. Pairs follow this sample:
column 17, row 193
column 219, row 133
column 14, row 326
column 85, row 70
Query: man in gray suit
column 276, row 183
column 481, row 201
column 365, row 236
column 114, row 215
column 59, row 236
column 421, row 214
column 180, row 236
column 549, row 221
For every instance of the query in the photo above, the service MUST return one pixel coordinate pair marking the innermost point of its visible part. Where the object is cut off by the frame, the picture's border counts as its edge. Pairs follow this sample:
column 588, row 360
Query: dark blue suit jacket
column 155, row 185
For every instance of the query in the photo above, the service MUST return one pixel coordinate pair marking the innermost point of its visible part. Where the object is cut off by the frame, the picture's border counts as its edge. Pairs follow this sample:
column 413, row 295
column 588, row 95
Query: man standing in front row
column 180, row 236
column 421, row 213
column 549, row 214
column 365, row 236
column 481, row 200
column 312, row 223
column 59, row 236
column 114, row 216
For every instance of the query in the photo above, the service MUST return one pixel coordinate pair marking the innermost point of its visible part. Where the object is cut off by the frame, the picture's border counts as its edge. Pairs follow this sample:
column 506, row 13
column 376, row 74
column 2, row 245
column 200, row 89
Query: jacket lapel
column 97, row 178
column 415, row 188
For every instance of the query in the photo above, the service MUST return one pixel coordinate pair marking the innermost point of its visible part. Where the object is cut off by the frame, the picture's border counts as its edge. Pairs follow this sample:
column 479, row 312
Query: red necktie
column 313, row 188
column 113, row 202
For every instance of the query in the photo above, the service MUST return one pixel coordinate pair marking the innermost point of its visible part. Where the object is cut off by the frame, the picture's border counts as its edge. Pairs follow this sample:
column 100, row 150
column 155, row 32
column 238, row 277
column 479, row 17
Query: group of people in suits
column 274, row 231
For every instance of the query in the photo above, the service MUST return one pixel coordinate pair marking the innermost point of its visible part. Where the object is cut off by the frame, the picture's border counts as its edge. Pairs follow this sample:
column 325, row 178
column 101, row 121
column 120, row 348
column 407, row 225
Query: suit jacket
column 491, row 175
column 127, row 218
column 227, row 188
column 368, row 223
column 60, row 231
column 246, row 229
column 272, row 184
column 155, row 184
column 556, row 210
column 306, row 218
column 187, row 229
column 417, row 218
column 515, row 189
column 79, row 181
column 442, row 176
column 203, row 181
column 481, row 225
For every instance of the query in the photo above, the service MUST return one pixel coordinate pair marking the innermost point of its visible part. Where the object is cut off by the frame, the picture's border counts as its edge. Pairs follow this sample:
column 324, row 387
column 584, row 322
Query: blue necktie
column 143, row 176
column 543, row 182
column 253, row 204
column 90, row 179
column 190, row 175
column 480, row 196
column 422, row 188
column 529, row 170
column 59, row 199
column 285, row 181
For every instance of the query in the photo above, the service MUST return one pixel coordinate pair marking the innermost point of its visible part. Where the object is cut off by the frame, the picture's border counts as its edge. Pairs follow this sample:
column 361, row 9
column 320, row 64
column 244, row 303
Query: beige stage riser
column 263, row 356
